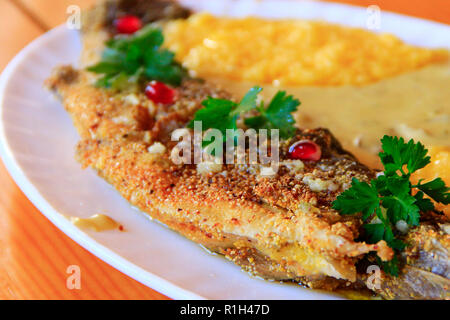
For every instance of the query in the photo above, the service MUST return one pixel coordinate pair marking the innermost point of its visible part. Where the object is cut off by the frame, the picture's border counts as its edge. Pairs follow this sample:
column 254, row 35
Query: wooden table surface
column 34, row 254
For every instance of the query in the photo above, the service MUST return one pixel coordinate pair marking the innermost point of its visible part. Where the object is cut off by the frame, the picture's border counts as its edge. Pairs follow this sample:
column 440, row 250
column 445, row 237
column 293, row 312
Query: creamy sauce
column 413, row 105
column 98, row 223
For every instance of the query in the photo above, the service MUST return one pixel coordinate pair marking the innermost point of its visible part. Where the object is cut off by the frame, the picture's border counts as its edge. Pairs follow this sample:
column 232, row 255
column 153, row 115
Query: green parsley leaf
column 402, row 207
column 278, row 115
column 361, row 197
column 217, row 114
column 390, row 267
column 436, row 190
column 424, row 204
column 248, row 102
column 375, row 231
column 129, row 61
column 398, row 201
column 106, row 67
column 417, row 156
column 223, row 114
column 397, row 154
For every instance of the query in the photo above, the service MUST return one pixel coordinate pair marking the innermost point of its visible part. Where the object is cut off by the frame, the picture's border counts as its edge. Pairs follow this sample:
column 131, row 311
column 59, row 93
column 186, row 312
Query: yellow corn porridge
column 290, row 52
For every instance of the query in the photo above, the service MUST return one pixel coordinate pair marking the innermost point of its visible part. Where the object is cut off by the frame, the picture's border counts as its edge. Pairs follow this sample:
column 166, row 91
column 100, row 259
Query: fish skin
column 424, row 265
column 428, row 249
column 414, row 284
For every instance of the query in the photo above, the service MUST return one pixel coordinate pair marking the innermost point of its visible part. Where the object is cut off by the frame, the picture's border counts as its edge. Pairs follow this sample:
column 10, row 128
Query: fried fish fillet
column 278, row 227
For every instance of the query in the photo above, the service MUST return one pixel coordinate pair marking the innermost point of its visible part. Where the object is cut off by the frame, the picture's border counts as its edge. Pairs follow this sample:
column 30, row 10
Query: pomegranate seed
column 305, row 150
column 158, row 92
column 128, row 24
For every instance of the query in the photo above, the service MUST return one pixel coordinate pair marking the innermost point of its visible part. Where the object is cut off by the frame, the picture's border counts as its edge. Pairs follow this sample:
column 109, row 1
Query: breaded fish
column 280, row 227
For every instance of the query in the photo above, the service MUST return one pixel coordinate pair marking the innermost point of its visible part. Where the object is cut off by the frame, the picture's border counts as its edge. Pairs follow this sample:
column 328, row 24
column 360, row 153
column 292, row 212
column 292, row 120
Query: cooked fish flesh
column 280, row 227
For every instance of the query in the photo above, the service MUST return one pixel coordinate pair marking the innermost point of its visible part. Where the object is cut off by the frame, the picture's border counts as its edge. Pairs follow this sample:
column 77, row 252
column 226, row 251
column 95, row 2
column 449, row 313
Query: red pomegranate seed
column 158, row 92
column 305, row 150
column 128, row 24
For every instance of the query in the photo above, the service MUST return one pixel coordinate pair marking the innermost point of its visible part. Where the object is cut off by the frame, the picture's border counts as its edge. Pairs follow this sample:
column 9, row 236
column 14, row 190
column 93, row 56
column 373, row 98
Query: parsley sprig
column 128, row 61
column 278, row 115
column 392, row 197
column 223, row 114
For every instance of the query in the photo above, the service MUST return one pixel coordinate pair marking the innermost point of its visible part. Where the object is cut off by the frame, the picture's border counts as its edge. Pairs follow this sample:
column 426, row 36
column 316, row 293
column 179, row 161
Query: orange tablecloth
column 35, row 255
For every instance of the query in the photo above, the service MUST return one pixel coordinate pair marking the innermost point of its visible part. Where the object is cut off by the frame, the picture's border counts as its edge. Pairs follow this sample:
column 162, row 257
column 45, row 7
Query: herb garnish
column 278, row 115
column 390, row 197
column 222, row 114
column 131, row 60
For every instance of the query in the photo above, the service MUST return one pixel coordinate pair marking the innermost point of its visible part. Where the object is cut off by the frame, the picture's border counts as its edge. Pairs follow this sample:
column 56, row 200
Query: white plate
column 37, row 146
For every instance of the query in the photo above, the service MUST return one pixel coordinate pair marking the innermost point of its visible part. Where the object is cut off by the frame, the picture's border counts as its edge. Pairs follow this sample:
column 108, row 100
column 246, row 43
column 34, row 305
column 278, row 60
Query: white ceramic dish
column 37, row 146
